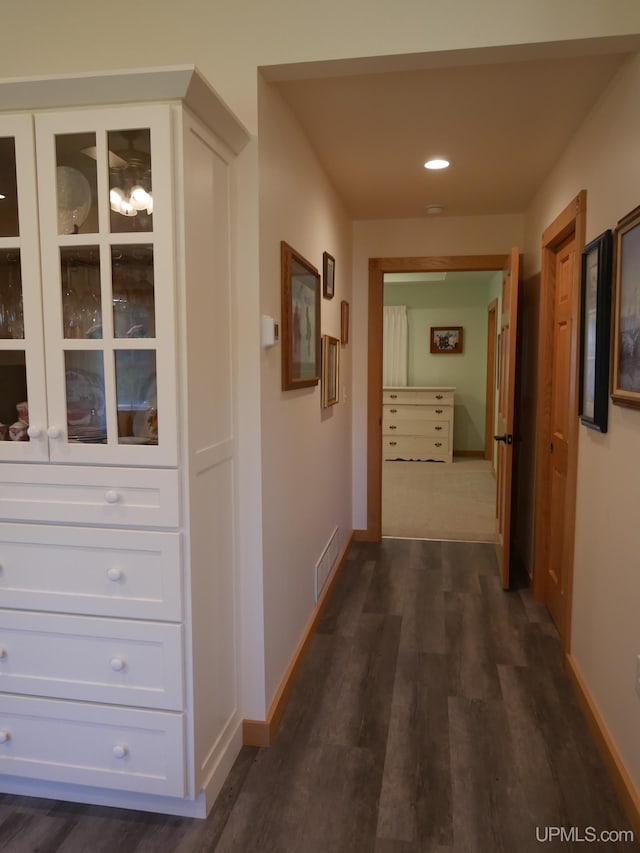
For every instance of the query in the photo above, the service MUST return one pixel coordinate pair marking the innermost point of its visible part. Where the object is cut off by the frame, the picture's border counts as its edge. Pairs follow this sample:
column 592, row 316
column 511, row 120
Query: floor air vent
column 326, row 562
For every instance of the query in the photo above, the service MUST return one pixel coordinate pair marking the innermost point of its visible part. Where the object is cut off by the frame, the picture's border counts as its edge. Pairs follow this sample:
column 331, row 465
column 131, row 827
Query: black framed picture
column 595, row 338
column 328, row 275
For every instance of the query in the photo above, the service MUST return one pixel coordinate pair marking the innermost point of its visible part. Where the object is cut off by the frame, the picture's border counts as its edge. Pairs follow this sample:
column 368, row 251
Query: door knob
column 507, row 438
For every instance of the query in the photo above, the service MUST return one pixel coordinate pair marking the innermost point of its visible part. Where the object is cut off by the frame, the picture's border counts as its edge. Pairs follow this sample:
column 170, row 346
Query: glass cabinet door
column 22, row 388
column 108, row 289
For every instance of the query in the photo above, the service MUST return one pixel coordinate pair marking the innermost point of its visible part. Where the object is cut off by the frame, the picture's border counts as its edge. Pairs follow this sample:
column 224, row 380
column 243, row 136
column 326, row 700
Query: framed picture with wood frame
column 595, row 337
column 446, row 339
column 626, row 333
column 344, row 322
column 330, row 370
column 300, row 304
column 328, row 275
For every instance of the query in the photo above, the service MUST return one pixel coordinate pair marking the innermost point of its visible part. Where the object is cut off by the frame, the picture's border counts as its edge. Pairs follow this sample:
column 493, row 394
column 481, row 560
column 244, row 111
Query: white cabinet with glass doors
column 118, row 614
column 87, row 349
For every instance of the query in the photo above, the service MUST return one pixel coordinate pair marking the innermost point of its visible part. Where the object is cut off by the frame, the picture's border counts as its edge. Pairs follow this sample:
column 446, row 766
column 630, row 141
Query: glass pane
column 11, row 318
column 130, row 190
column 14, row 409
column 84, row 371
column 77, row 184
column 133, row 294
column 8, row 189
column 137, row 397
column 81, row 306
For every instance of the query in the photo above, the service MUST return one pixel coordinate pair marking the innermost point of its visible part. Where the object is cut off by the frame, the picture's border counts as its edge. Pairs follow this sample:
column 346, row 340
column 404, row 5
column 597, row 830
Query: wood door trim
column 490, row 396
column 377, row 268
column 570, row 222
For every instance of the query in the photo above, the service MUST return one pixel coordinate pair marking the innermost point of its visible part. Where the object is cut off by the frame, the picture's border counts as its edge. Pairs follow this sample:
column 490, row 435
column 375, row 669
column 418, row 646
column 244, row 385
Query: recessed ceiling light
column 434, row 209
column 2, row 196
column 436, row 163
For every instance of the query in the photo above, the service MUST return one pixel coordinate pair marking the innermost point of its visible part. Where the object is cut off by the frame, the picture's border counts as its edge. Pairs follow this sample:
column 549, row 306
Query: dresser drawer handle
column 114, row 574
column 392, row 443
column 111, row 496
column 5, row 736
column 438, row 444
column 393, row 426
column 120, row 750
column 118, row 664
column 4, row 654
column 439, row 428
column 439, row 397
column 394, row 396
column 393, row 411
column 439, row 411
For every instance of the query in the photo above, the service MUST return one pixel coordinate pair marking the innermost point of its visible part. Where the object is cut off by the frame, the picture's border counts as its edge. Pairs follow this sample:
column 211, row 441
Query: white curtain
column 394, row 343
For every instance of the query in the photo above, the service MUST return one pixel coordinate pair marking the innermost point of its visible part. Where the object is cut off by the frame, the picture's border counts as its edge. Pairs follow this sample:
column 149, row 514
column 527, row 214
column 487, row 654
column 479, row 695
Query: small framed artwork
column 330, row 370
column 300, row 295
column 344, row 322
column 595, row 338
column 626, row 334
column 328, row 275
column 446, row 339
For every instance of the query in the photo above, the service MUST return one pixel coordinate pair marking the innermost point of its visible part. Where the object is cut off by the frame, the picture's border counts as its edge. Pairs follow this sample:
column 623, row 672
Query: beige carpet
column 435, row 500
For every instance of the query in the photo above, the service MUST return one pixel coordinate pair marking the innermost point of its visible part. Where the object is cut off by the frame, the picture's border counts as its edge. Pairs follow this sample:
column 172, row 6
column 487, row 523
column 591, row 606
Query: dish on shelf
column 85, row 398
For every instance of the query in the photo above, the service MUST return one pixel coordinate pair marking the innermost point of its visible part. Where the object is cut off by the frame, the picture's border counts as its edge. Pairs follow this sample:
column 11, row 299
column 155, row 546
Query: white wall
column 603, row 159
column 229, row 40
column 468, row 235
column 305, row 450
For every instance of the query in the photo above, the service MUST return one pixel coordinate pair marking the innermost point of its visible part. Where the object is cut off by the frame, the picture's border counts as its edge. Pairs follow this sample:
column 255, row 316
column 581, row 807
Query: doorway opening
column 378, row 268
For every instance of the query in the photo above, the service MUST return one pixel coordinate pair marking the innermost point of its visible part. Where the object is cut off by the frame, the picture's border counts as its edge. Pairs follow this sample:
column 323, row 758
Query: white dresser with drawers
column 417, row 423
column 118, row 630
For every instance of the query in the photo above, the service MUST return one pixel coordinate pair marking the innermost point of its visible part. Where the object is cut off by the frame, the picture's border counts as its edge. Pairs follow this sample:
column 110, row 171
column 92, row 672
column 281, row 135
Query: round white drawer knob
column 111, row 496
column 34, row 431
column 4, row 654
column 118, row 664
column 120, row 751
column 4, row 736
column 115, row 574
column 54, row 432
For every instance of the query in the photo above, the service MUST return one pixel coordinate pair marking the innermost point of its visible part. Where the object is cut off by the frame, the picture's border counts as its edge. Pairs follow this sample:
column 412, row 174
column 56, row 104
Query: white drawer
column 120, row 497
column 415, row 426
column 412, row 396
column 83, row 744
column 415, row 447
column 86, row 570
column 398, row 412
column 98, row 660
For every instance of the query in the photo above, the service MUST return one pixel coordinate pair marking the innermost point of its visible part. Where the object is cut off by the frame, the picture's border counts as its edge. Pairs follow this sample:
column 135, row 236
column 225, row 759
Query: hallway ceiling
column 502, row 118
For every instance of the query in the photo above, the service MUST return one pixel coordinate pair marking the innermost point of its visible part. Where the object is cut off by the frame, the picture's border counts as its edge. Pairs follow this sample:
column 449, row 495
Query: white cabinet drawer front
column 441, row 412
column 121, row 497
column 414, row 396
column 415, row 447
column 86, row 744
column 97, row 660
column 86, row 570
column 409, row 426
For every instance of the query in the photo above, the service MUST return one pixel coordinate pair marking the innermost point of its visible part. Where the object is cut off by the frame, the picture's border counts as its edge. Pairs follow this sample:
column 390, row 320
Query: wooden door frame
column 377, row 269
column 490, row 396
column 570, row 222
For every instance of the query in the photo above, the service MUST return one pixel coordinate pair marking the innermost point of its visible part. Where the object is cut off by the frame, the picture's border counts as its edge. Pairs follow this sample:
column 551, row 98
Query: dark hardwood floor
column 431, row 714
